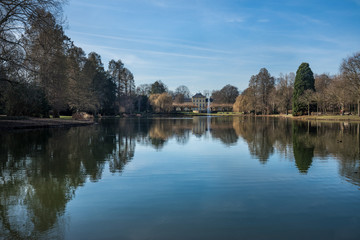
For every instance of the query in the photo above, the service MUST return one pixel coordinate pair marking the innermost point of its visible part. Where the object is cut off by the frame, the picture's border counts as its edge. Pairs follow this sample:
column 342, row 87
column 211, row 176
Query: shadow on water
column 41, row 170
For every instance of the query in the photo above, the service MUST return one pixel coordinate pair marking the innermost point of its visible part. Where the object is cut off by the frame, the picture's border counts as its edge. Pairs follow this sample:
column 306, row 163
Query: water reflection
column 41, row 170
column 304, row 136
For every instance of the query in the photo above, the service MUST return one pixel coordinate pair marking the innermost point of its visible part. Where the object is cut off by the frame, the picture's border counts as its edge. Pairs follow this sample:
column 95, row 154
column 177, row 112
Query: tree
column 26, row 99
column 184, row 90
column 158, row 87
column 129, row 82
column 161, row 102
column 125, row 85
column 339, row 92
column 142, row 100
column 92, row 74
column 15, row 18
column 350, row 70
column 116, row 70
column 123, row 77
column 284, row 91
column 307, row 98
column 262, row 83
column 322, row 83
column 46, row 45
column 79, row 95
column 181, row 93
column 304, row 80
column 240, row 104
column 245, row 102
column 227, row 94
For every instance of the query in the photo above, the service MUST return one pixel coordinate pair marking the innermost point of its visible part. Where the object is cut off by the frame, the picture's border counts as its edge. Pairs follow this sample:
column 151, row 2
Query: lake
column 182, row 178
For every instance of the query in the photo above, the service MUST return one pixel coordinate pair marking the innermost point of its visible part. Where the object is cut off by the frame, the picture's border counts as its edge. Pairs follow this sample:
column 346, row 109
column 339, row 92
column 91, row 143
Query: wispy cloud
column 151, row 52
column 158, row 42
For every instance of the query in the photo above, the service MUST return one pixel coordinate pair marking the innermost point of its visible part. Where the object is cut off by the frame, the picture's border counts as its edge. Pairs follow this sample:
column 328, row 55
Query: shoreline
column 9, row 123
column 321, row 118
column 36, row 123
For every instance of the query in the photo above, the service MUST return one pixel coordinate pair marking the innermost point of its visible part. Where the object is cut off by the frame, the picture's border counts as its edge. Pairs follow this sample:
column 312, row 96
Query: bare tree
column 15, row 17
column 339, row 92
column 227, row 94
column 350, row 70
column 184, row 90
column 262, row 83
column 181, row 93
column 143, row 90
column 307, row 98
column 284, row 91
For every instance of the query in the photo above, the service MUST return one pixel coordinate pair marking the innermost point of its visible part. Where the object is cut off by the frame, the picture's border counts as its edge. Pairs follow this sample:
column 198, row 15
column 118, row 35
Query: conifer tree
column 304, row 80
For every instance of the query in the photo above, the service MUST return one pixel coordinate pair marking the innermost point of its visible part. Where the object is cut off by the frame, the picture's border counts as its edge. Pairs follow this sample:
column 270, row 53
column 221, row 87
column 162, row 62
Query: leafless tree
column 350, row 70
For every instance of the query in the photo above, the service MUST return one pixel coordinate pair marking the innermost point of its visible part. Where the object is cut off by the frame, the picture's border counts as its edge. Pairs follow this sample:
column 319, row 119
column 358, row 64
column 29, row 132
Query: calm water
column 199, row 178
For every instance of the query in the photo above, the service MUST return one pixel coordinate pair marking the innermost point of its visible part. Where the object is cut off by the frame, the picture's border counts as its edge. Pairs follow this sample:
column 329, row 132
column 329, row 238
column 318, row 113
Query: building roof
column 198, row 95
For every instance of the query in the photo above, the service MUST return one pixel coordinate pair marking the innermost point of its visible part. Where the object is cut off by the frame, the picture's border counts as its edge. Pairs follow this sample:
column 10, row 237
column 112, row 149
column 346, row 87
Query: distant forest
column 42, row 72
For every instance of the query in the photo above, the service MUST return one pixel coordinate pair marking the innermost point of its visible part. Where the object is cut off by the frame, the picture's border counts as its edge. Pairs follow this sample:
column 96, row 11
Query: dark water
column 200, row 178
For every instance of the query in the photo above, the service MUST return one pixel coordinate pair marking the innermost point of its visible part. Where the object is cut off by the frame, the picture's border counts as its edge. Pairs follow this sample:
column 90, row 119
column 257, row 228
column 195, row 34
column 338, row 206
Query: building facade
column 200, row 101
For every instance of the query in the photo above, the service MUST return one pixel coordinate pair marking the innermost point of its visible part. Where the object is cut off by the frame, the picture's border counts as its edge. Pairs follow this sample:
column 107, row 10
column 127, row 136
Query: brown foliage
column 161, row 102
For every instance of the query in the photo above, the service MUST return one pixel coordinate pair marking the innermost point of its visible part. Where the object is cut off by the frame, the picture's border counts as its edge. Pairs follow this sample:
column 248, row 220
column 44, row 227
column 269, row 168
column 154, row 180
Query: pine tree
column 304, row 80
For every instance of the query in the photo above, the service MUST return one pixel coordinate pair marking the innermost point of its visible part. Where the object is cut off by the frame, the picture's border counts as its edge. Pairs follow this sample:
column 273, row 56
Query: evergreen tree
column 304, row 80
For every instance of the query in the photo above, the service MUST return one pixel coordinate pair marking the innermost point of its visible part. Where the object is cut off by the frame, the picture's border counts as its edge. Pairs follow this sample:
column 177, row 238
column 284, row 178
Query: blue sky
column 206, row 44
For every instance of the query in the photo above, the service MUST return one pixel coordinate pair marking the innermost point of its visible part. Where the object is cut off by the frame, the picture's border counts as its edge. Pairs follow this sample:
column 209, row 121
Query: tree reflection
column 303, row 146
column 260, row 135
column 41, row 170
column 222, row 128
column 125, row 144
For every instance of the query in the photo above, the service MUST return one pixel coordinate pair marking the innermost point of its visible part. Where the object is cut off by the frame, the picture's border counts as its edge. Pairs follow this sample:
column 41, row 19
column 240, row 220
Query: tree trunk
column 359, row 107
column 308, row 109
column 317, row 108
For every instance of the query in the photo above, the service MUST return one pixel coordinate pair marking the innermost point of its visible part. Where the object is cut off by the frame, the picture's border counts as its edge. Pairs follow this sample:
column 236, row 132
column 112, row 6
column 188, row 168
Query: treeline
column 303, row 92
column 42, row 71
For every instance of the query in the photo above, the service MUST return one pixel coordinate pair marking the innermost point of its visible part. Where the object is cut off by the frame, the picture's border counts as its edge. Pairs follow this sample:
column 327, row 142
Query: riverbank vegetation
column 304, row 93
column 43, row 73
